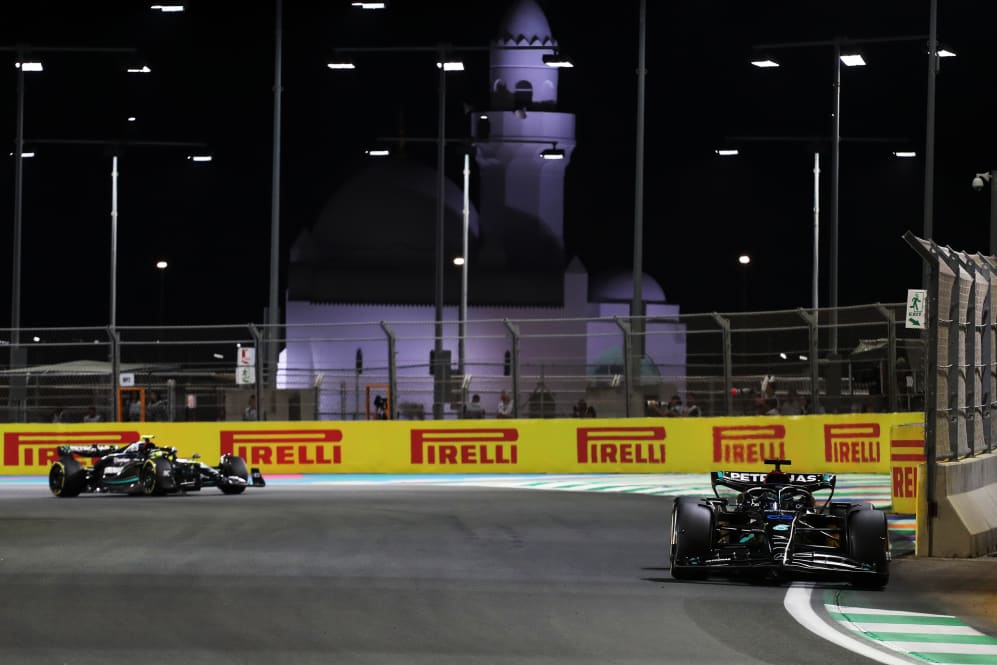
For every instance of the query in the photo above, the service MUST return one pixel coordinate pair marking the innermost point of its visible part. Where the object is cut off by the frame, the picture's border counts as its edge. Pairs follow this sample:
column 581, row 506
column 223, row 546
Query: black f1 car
column 774, row 529
column 144, row 468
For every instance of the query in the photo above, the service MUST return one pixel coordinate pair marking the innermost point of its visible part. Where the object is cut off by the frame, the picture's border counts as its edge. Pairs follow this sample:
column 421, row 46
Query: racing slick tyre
column 156, row 477
column 66, row 478
column 233, row 465
column 692, row 528
column 868, row 543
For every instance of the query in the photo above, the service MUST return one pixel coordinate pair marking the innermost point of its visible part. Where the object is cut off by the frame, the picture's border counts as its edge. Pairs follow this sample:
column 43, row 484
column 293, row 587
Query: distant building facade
column 371, row 256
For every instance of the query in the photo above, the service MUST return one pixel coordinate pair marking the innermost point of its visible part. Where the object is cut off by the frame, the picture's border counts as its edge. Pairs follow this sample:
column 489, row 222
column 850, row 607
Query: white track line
column 797, row 603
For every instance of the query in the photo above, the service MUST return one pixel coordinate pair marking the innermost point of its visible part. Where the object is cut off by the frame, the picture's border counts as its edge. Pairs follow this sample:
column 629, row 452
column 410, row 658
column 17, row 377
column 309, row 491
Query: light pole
column 845, row 53
column 444, row 65
column 273, row 306
column 637, row 320
column 162, row 265
column 23, row 65
column 744, row 261
column 465, row 259
column 980, row 180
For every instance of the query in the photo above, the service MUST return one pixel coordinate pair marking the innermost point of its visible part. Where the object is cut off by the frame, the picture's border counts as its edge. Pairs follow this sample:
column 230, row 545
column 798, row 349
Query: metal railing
column 549, row 365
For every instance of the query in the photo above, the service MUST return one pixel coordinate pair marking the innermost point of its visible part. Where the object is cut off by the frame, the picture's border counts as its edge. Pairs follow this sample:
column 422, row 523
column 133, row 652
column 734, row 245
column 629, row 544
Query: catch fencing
column 846, row 360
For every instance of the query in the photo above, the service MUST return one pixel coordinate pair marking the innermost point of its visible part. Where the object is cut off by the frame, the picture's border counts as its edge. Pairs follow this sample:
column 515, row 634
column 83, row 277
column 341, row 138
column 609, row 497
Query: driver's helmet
column 759, row 499
column 141, row 447
column 795, row 499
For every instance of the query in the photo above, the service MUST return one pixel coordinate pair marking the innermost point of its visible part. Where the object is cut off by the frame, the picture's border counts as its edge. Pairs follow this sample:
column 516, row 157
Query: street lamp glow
column 727, row 152
column 162, row 265
column 904, row 153
column 744, row 259
column 29, row 66
column 458, row 260
column 131, row 118
column 36, row 338
column 199, row 158
column 765, row 63
column 341, row 64
column 783, row 355
column 945, row 53
column 451, row 65
column 852, row 60
column 377, row 152
column 557, row 60
column 369, row 5
column 217, row 356
column 144, row 69
column 167, row 9
column 24, row 155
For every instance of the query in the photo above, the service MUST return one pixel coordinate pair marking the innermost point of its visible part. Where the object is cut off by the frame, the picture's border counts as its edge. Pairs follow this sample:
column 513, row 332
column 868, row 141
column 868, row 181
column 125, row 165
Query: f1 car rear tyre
column 868, row 542
column 692, row 527
column 66, row 478
column 156, row 478
column 233, row 465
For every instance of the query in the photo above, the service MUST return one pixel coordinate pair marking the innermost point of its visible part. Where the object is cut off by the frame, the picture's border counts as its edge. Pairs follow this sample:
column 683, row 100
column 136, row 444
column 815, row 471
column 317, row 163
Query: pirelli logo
column 284, row 446
column 621, row 445
column 748, row 444
column 852, row 442
column 40, row 449
column 486, row 446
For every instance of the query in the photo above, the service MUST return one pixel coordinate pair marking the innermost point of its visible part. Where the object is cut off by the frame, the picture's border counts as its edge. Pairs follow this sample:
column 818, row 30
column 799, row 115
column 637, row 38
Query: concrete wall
column 966, row 524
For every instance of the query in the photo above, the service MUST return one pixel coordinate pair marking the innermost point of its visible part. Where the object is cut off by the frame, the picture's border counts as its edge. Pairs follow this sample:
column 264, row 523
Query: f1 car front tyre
column 156, row 477
column 233, row 465
column 692, row 528
column 66, row 478
column 868, row 543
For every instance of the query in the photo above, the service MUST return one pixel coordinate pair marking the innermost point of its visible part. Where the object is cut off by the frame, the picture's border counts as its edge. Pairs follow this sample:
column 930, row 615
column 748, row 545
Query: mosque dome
column 618, row 286
column 385, row 216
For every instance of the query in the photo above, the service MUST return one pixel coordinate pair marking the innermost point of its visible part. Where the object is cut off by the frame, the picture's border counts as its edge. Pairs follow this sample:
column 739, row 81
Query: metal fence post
column 728, row 363
column 813, row 332
column 257, row 342
column 891, row 358
column 392, row 372
column 115, row 339
column 627, row 373
column 927, row 250
column 986, row 267
column 970, row 406
column 514, row 369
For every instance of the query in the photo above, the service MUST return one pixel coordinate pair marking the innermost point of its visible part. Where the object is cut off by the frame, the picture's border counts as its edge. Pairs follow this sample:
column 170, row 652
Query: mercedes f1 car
column 143, row 467
column 775, row 529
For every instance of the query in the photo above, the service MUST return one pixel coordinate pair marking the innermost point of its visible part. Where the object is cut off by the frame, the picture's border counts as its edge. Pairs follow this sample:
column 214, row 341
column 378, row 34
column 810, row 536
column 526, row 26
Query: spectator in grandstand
column 767, row 401
column 156, row 409
column 792, row 405
column 473, row 409
column 691, row 407
column 504, row 409
column 59, row 416
column 250, row 412
column 92, row 415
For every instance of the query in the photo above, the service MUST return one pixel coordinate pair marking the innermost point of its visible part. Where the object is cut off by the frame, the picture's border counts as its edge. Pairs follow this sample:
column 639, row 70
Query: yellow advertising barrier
column 856, row 443
column 906, row 454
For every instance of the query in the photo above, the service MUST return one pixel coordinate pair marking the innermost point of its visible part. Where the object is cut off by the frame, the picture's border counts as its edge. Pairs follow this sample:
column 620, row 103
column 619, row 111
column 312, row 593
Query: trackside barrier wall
column 851, row 443
column 960, row 385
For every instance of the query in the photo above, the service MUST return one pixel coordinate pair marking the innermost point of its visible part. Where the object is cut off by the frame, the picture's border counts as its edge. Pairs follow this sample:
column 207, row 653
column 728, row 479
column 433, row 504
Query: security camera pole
column 979, row 182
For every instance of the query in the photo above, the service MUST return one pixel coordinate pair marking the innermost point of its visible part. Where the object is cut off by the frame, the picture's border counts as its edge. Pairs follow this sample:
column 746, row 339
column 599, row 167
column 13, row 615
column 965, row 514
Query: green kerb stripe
column 963, row 658
column 894, row 618
column 944, row 639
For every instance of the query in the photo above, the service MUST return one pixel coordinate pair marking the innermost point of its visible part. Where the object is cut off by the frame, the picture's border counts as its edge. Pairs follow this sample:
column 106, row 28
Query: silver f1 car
column 143, row 467
column 775, row 529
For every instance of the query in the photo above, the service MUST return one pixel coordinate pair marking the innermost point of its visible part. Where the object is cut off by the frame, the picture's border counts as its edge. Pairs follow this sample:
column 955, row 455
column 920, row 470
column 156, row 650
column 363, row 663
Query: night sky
column 212, row 79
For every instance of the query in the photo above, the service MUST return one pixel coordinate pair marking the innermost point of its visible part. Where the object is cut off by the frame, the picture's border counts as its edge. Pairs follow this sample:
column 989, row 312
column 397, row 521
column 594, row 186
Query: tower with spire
column 521, row 192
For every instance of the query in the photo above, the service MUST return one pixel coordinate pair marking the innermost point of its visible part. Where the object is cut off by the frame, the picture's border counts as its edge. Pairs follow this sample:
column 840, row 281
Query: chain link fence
column 851, row 359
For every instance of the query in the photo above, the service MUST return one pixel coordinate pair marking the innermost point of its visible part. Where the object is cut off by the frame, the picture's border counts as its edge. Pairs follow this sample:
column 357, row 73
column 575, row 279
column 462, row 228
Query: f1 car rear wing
column 741, row 481
column 92, row 450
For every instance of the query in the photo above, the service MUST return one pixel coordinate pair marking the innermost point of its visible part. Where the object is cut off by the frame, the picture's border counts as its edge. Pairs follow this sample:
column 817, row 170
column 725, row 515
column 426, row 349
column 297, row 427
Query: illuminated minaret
column 522, row 193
